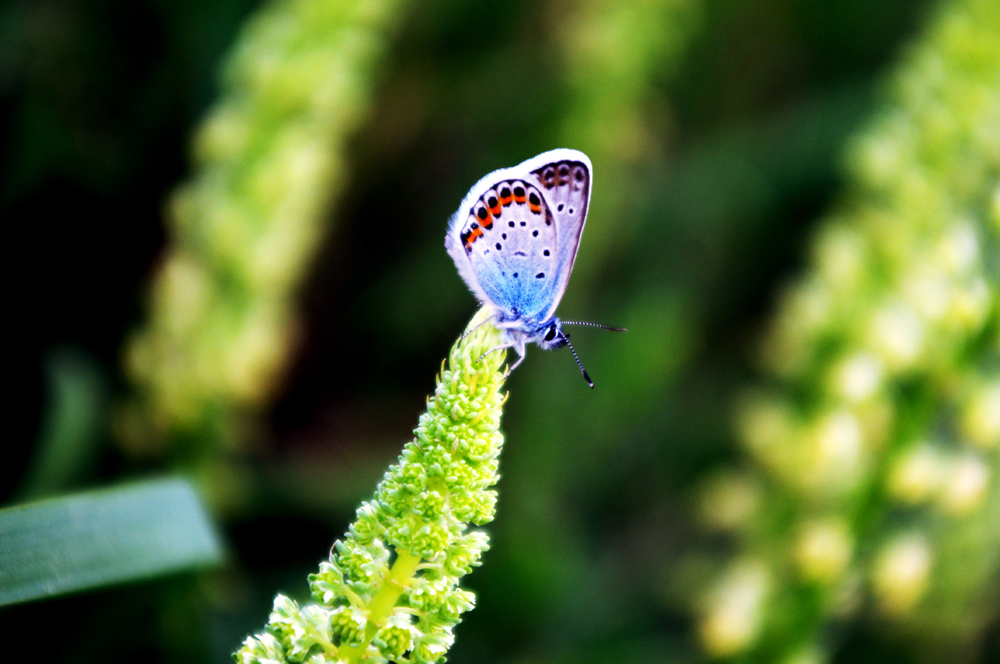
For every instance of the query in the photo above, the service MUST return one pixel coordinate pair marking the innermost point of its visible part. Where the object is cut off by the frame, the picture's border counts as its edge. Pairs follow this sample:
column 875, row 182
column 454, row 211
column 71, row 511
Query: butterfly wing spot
column 565, row 173
column 546, row 252
column 534, row 203
column 471, row 236
column 506, row 196
column 490, row 206
column 540, row 275
column 484, row 217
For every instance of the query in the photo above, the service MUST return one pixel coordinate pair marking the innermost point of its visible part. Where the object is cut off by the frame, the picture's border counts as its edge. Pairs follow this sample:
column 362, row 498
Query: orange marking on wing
column 495, row 211
column 473, row 236
column 487, row 222
column 520, row 199
column 537, row 209
column 506, row 200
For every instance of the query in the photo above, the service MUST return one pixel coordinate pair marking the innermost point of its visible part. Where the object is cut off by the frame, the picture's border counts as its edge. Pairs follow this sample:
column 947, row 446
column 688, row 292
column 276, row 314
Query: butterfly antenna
column 578, row 363
column 603, row 327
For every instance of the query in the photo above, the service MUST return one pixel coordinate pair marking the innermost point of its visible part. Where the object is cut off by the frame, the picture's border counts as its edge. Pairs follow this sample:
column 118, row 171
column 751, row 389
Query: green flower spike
column 390, row 589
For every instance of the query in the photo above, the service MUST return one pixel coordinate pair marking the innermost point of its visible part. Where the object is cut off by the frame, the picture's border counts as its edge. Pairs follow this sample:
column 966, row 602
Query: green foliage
column 269, row 160
column 390, row 588
column 97, row 539
column 67, row 446
column 876, row 434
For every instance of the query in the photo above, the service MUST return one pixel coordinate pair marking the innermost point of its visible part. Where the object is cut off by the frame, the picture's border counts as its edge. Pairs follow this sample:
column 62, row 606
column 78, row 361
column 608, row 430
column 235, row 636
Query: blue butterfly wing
column 515, row 237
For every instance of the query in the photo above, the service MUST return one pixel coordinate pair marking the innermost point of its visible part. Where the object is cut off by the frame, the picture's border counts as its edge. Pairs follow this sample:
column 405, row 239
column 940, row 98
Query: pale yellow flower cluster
column 242, row 233
column 878, row 437
column 391, row 589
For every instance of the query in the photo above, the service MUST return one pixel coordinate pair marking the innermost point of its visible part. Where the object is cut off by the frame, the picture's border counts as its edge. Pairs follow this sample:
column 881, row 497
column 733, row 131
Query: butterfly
column 514, row 240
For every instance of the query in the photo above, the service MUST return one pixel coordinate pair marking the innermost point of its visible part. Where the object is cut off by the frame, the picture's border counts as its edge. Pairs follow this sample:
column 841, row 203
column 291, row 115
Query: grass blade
column 105, row 537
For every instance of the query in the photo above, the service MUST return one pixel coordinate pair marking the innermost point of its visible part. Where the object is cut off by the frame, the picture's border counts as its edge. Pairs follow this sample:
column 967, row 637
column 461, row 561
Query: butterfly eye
column 551, row 333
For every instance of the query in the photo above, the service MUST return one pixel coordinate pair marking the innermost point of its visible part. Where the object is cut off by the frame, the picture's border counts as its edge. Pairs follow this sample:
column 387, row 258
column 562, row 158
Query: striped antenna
column 603, row 327
column 565, row 338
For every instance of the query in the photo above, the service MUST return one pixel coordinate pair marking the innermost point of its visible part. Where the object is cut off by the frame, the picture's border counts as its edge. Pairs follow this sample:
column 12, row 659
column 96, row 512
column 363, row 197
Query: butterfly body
column 514, row 240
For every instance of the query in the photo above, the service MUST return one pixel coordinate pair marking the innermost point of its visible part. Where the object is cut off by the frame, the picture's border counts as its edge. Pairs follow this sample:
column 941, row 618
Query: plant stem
column 382, row 604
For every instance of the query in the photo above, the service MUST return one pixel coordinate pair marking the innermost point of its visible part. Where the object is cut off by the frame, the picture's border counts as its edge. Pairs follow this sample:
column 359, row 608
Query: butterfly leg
column 493, row 350
column 520, row 358
column 476, row 327
column 516, row 342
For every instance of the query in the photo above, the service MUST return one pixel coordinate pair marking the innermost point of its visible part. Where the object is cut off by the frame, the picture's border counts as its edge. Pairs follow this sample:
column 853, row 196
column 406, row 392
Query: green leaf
column 103, row 537
column 75, row 418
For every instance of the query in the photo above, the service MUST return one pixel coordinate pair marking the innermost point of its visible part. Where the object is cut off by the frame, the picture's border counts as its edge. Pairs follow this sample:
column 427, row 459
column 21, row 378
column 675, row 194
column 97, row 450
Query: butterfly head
column 552, row 336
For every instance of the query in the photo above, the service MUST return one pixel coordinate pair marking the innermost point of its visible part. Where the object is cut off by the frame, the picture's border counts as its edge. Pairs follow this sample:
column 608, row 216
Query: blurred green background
column 227, row 225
